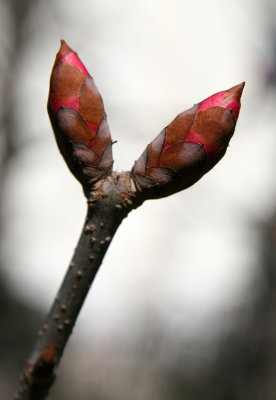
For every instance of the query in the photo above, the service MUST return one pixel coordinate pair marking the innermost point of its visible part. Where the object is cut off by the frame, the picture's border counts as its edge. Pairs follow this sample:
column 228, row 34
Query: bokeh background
column 184, row 304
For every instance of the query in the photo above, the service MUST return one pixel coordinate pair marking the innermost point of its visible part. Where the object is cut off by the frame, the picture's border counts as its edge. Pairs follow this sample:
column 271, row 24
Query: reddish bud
column 78, row 118
column 189, row 146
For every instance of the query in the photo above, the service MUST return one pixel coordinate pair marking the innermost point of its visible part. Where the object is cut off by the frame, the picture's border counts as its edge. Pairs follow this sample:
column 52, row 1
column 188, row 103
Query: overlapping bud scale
column 78, row 118
column 189, row 146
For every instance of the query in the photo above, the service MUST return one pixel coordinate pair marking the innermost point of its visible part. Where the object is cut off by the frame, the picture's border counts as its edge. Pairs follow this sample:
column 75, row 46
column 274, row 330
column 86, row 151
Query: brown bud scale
column 78, row 118
column 189, row 146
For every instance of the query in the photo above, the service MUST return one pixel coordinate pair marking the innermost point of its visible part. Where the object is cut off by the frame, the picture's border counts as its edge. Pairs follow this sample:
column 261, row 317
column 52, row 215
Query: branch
column 107, row 207
column 177, row 158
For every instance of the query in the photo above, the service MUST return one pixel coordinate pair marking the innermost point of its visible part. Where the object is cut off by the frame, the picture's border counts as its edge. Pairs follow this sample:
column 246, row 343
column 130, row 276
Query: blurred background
column 184, row 304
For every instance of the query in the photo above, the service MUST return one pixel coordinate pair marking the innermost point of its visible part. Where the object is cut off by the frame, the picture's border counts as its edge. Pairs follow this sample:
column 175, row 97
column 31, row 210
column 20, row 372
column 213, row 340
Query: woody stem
column 107, row 207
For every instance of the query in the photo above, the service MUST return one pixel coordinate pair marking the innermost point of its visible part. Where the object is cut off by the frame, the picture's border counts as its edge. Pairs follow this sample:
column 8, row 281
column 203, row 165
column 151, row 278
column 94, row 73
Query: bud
column 78, row 118
column 189, row 146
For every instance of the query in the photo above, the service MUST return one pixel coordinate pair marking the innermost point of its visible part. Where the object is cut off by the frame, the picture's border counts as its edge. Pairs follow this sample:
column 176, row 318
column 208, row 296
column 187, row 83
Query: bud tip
column 64, row 48
column 238, row 89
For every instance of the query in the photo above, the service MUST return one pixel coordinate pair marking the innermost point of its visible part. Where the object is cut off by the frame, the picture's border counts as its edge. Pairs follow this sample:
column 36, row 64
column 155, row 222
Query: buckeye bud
column 78, row 118
column 189, row 146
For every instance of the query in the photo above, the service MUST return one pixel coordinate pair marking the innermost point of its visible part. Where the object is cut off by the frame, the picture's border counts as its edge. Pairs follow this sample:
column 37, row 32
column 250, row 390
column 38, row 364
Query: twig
column 107, row 207
column 178, row 157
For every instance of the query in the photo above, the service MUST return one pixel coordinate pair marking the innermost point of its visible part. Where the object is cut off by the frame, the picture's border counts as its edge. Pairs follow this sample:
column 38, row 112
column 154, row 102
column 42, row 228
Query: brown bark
column 107, row 207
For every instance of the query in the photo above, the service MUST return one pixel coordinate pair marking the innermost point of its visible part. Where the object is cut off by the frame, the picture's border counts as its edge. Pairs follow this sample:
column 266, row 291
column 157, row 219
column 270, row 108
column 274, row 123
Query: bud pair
column 180, row 155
